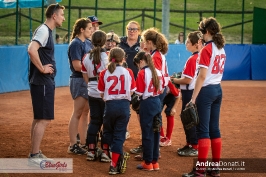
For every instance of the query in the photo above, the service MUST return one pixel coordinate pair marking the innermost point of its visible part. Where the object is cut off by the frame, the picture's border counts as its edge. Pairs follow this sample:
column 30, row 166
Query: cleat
column 144, row 166
column 113, row 170
column 136, row 150
column 76, row 149
column 105, row 158
column 194, row 173
column 123, row 162
column 190, row 152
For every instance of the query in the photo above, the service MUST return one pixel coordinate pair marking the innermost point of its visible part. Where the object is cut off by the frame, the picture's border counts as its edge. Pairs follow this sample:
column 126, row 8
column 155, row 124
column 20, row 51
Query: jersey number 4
column 218, row 64
column 115, row 79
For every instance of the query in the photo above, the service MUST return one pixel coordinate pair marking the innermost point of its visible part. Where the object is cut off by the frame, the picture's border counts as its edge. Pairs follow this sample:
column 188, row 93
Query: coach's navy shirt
column 130, row 54
column 43, row 35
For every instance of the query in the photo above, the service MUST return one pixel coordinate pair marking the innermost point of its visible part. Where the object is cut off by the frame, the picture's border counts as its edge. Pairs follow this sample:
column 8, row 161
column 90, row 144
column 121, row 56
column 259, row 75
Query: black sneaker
column 189, row 152
column 194, row 173
column 113, row 170
column 84, row 147
column 183, row 148
column 213, row 171
column 75, row 149
column 122, row 164
column 136, row 150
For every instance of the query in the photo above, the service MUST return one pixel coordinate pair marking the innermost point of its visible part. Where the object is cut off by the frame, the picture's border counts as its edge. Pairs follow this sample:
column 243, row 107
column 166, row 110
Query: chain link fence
column 17, row 25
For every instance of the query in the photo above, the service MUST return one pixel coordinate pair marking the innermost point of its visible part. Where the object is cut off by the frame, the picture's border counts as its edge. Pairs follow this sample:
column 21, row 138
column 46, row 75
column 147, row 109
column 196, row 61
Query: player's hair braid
column 98, row 40
column 80, row 23
column 115, row 56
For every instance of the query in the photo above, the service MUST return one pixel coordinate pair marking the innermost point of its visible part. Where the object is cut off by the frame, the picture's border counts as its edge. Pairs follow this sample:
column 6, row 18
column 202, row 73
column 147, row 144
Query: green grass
column 232, row 35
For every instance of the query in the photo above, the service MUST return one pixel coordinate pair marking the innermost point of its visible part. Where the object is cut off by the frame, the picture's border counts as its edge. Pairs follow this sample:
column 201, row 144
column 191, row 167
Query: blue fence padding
column 238, row 64
column 243, row 62
column 23, row 3
column 176, row 57
column 258, row 62
column 62, row 65
column 13, row 68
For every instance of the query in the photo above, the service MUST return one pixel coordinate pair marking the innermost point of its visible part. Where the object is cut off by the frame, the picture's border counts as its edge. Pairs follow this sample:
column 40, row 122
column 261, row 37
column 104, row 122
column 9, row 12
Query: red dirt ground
column 243, row 117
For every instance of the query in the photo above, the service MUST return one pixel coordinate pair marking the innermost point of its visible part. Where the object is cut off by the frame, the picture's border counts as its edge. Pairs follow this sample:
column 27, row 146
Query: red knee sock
column 115, row 157
column 170, row 126
column 203, row 149
column 216, row 145
column 161, row 132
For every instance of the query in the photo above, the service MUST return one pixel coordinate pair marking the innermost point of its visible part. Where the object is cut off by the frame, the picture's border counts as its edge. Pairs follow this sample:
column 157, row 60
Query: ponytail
column 148, row 59
column 115, row 56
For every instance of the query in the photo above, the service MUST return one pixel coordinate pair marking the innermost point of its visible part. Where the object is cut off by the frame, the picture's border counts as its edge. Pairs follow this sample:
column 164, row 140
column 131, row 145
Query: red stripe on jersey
column 205, row 55
column 190, row 66
column 173, row 89
column 140, row 81
column 133, row 83
column 101, row 85
column 157, row 60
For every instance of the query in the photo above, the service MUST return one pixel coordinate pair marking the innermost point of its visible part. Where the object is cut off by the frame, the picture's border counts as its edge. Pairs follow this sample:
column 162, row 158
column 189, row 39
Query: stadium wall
column 243, row 62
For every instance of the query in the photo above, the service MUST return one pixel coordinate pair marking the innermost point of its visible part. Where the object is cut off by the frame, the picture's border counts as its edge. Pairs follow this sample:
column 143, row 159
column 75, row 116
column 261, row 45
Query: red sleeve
column 133, row 83
column 191, row 66
column 173, row 89
column 140, row 81
column 82, row 65
column 157, row 60
column 101, row 85
column 205, row 55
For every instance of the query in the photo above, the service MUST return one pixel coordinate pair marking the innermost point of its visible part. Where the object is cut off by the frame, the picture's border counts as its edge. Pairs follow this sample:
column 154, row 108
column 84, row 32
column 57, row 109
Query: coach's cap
column 94, row 19
column 112, row 36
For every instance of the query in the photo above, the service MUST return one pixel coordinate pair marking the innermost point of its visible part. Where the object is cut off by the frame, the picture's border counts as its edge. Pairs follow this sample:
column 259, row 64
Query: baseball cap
column 115, row 37
column 94, row 19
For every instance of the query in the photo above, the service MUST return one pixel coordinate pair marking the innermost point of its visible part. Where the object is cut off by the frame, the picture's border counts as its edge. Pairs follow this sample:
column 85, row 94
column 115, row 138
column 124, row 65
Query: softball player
column 171, row 100
column 155, row 43
column 208, row 95
column 149, row 84
column 78, row 89
column 92, row 64
column 187, row 83
column 116, row 84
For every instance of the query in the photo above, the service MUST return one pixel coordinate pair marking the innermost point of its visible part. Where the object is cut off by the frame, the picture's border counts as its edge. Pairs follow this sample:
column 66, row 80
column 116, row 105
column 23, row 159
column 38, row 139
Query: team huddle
column 107, row 71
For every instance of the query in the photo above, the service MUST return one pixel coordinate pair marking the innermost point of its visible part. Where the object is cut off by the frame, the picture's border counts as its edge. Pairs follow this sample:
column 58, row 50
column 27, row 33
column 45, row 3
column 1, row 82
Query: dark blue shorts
column 42, row 97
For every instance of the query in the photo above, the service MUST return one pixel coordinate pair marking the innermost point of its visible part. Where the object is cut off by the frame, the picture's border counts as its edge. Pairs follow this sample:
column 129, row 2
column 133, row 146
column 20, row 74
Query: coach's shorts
column 78, row 87
column 42, row 97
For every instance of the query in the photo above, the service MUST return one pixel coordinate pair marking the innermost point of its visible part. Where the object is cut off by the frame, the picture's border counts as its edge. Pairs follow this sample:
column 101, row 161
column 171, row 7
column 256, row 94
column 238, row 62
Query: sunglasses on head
column 55, row 7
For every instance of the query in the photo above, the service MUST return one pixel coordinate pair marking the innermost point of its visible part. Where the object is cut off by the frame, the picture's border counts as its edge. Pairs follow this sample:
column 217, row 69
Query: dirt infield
column 243, row 118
